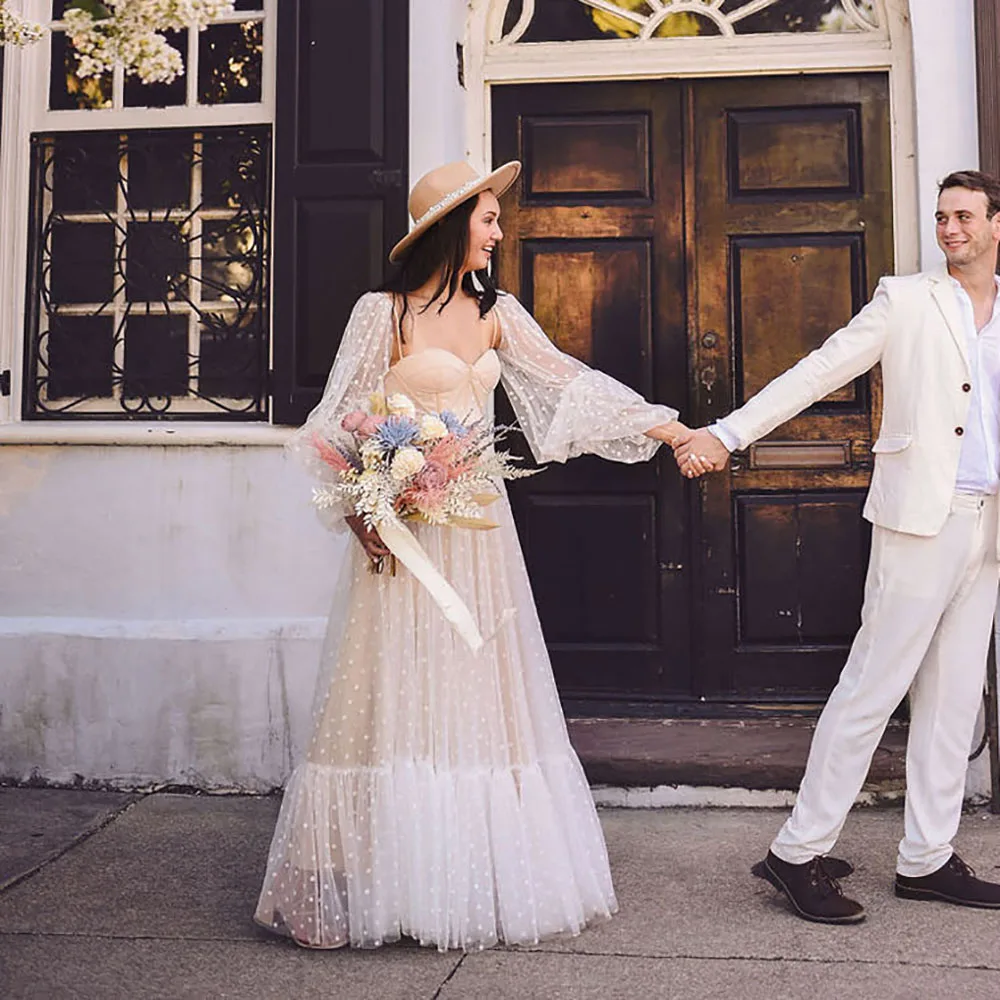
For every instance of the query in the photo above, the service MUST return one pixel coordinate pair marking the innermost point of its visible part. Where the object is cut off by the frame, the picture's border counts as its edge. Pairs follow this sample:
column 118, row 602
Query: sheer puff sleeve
column 564, row 408
column 361, row 362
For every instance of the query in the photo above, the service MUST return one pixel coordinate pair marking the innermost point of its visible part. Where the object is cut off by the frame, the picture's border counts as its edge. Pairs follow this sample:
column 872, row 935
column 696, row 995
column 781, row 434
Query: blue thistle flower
column 397, row 432
column 454, row 425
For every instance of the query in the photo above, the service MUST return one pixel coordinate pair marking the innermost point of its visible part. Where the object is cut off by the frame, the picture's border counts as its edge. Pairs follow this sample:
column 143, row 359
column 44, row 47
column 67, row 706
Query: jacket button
column 966, row 387
column 959, row 431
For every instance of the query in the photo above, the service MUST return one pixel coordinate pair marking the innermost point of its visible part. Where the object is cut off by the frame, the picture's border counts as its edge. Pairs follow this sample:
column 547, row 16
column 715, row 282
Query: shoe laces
column 822, row 880
column 959, row 867
column 822, row 861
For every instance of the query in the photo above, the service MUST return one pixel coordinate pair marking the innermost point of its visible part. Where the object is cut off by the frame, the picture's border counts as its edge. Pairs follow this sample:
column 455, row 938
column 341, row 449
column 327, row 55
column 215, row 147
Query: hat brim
column 498, row 181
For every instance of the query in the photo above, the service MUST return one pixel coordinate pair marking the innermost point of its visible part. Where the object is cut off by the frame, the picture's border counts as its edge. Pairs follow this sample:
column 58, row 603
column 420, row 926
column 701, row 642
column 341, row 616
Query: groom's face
column 964, row 232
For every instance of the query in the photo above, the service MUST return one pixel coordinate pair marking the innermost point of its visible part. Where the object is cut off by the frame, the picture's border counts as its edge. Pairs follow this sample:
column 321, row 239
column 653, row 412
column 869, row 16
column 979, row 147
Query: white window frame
column 25, row 111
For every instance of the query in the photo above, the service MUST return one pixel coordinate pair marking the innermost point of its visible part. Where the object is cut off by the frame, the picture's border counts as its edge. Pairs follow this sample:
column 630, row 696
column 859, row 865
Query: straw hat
column 445, row 188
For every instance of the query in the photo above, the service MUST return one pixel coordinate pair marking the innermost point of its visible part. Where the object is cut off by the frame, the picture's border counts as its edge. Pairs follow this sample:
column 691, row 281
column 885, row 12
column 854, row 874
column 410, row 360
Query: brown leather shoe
column 836, row 868
column 954, row 882
column 811, row 889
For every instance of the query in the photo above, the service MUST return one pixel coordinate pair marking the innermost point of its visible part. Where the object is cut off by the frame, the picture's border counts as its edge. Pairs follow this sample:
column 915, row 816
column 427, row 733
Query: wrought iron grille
column 147, row 294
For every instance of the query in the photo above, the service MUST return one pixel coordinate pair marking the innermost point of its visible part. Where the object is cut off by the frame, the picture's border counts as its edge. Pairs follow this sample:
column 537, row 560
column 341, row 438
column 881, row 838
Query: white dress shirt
column 979, row 462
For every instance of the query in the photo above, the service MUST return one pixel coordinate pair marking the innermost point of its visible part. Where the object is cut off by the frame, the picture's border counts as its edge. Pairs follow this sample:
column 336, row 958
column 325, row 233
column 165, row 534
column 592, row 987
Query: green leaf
column 94, row 8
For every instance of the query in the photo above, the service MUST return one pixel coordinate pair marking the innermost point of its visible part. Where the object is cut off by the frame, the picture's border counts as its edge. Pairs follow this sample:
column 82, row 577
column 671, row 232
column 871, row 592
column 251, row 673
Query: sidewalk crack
column 449, row 977
column 79, row 839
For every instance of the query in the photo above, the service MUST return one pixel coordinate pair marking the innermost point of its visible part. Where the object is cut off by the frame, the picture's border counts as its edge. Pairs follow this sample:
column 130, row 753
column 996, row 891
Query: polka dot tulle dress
column 439, row 797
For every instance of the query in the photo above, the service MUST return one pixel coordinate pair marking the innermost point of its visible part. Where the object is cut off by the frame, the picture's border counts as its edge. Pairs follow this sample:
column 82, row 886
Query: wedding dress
column 440, row 797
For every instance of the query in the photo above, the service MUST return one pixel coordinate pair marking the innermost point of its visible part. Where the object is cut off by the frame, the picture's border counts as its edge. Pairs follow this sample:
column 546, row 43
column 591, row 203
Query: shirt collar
column 965, row 301
column 958, row 284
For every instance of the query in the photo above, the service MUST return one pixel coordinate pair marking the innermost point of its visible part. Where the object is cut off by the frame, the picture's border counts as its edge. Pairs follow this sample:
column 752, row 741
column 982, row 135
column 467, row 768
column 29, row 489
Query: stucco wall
column 161, row 610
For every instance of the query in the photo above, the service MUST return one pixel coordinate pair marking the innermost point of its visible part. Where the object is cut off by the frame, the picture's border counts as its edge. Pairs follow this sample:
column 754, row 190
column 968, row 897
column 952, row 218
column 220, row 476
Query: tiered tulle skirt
column 439, row 797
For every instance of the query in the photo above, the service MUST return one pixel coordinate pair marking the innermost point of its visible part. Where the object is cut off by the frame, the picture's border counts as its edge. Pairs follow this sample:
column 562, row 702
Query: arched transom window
column 527, row 21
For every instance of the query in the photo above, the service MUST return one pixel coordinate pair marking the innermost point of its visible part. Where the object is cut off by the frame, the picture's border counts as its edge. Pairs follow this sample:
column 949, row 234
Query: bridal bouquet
column 394, row 464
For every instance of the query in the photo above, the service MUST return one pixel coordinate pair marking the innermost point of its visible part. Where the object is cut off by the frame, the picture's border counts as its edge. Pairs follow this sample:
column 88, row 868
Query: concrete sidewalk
column 106, row 896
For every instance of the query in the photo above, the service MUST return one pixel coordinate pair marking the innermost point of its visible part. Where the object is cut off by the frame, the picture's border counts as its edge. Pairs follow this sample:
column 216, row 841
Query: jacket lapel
column 944, row 296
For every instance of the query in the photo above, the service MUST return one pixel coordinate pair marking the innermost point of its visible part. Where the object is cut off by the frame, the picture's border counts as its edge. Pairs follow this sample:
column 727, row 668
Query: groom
column 932, row 580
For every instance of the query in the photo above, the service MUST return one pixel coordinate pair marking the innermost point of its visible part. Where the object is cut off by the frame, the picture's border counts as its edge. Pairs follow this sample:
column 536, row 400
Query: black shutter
column 341, row 147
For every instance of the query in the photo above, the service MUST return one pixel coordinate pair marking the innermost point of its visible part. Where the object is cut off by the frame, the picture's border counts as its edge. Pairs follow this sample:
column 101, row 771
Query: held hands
column 696, row 451
column 699, row 453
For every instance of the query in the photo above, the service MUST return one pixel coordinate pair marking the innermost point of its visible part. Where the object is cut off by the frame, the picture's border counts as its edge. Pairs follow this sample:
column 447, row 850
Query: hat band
column 448, row 199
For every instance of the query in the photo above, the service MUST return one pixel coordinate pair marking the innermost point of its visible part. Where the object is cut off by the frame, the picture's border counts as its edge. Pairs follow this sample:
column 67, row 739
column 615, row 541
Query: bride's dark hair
column 443, row 248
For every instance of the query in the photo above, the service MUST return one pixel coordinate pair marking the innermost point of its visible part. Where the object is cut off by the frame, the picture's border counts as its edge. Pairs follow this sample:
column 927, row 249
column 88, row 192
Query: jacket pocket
column 889, row 443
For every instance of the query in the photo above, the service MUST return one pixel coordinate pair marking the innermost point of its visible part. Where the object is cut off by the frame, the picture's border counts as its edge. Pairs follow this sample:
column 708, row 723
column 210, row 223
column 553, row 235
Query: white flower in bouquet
column 401, row 406
column 432, row 428
column 406, row 462
column 371, row 453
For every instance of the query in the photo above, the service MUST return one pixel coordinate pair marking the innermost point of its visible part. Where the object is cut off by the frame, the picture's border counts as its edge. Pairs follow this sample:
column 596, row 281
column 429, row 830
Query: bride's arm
column 566, row 408
column 361, row 361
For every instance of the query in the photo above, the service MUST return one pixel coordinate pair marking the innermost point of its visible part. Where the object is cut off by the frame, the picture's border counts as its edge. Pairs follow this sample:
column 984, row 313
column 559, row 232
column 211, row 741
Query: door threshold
column 757, row 754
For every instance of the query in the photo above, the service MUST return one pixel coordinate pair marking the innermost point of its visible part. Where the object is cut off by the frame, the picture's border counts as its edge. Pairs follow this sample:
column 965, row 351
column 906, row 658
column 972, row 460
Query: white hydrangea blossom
column 16, row 30
column 406, row 462
column 401, row 405
column 432, row 428
column 130, row 33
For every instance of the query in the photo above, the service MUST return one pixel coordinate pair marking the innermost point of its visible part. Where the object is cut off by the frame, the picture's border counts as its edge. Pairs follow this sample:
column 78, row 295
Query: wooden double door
column 694, row 239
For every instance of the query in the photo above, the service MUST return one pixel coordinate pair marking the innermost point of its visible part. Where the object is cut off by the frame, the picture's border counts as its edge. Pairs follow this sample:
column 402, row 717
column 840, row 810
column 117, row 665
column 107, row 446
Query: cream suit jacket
column 913, row 326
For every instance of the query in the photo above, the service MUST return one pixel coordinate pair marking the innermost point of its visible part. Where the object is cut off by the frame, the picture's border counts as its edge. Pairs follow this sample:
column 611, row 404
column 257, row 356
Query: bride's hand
column 673, row 434
column 369, row 538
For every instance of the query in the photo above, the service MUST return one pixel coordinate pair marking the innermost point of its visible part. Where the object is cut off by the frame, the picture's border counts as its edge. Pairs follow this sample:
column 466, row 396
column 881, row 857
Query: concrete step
column 731, row 753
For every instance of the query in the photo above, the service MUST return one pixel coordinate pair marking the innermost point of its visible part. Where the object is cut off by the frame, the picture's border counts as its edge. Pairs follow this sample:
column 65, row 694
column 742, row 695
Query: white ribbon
column 401, row 543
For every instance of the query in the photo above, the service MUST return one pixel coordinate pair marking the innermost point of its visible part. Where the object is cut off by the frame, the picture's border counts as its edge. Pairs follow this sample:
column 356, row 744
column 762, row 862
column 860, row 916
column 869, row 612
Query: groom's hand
column 700, row 452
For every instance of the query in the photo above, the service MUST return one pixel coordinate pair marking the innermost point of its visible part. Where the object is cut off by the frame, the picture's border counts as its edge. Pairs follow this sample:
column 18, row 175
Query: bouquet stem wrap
column 402, row 544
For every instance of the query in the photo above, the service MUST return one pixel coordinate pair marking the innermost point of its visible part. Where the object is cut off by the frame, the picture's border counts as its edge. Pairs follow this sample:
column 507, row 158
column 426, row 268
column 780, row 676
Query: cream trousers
column 925, row 628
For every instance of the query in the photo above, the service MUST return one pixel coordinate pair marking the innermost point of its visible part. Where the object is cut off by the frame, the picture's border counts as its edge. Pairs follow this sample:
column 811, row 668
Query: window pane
column 148, row 261
column 84, row 172
column 82, row 262
column 229, row 248
column 234, row 171
column 795, row 16
column 686, row 25
column 511, row 16
column 69, row 92
column 563, row 20
column 578, row 20
column 156, row 356
column 156, row 262
column 230, row 57
column 80, row 356
column 159, row 170
column 232, row 360
column 159, row 95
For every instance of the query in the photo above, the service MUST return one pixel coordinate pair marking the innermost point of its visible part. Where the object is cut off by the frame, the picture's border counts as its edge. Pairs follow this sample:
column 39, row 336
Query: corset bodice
column 436, row 379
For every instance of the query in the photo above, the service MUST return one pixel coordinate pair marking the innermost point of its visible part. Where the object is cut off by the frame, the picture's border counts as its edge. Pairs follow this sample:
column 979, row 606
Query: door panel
column 780, row 275
column 594, row 250
column 695, row 240
column 789, row 252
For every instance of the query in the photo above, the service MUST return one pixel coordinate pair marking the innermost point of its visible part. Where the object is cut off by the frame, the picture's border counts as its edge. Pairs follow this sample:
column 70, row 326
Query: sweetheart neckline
column 444, row 350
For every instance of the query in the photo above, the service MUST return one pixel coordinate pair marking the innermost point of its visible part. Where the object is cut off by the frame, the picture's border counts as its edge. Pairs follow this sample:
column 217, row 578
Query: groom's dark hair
column 975, row 180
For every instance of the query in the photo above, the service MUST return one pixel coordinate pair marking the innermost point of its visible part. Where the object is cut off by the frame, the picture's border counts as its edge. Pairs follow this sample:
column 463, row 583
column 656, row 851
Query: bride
column 440, row 797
